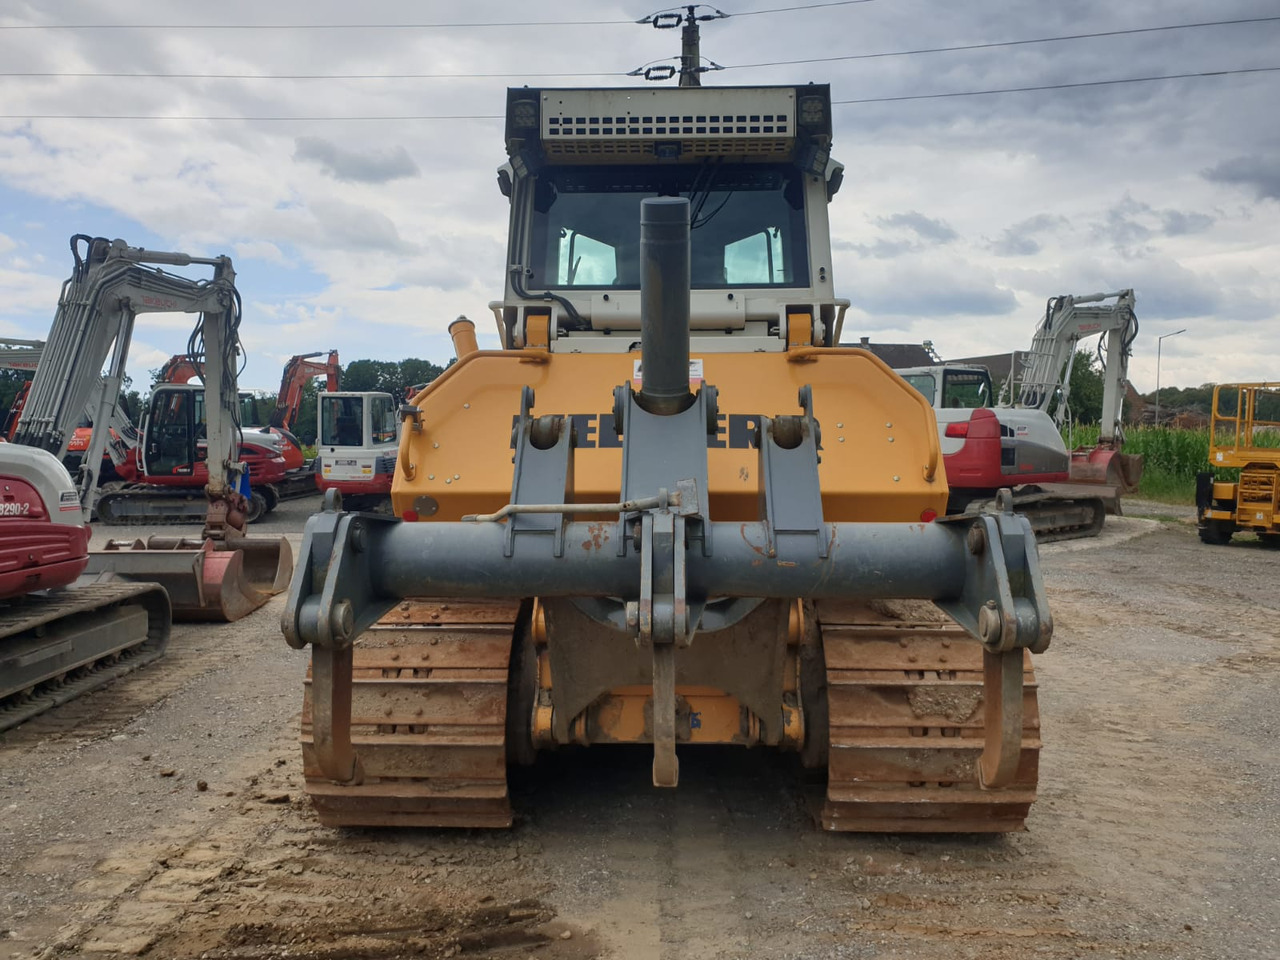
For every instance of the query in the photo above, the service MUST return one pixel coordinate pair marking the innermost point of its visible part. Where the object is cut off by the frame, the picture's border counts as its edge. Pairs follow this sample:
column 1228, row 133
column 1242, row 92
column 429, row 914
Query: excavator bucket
column 206, row 580
column 1106, row 466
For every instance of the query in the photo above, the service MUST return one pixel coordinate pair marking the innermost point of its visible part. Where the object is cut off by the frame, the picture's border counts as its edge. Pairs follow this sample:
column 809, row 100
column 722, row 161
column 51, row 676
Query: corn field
column 1173, row 457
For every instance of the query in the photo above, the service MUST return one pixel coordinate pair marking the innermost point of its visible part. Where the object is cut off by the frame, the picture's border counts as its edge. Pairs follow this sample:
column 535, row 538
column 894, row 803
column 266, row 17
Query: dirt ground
column 164, row 816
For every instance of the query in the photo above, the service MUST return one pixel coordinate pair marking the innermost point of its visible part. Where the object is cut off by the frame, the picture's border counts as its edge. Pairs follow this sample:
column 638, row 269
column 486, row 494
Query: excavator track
column 58, row 646
column 1054, row 518
column 428, row 720
column 904, row 699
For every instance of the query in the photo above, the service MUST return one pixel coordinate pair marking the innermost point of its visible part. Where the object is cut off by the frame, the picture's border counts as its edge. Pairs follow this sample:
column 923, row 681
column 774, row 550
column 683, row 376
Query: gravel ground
column 163, row 815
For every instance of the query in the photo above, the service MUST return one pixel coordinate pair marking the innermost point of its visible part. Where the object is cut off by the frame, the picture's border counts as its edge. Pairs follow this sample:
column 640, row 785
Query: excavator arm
column 1046, row 372
column 122, row 435
column 297, row 372
column 180, row 368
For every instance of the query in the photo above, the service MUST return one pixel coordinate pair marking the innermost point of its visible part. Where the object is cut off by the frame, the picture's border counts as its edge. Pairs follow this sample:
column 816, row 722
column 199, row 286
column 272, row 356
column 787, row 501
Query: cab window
column 342, row 421
column 382, row 418
column 966, row 389
column 923, row 382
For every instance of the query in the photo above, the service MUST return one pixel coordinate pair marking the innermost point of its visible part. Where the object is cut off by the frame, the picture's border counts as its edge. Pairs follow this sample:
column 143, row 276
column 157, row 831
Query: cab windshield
column 747, row 220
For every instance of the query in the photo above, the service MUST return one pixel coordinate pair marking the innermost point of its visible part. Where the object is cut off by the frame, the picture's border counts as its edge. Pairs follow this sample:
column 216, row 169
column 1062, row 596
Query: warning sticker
column 695, row 374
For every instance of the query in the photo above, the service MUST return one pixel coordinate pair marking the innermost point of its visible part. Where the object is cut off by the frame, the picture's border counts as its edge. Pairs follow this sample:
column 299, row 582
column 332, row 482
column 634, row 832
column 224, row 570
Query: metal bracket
column 1002, row 602
column 1004, row 586
column 332, row 599
column 664, row 623
column 543, row 474
column 788, row 469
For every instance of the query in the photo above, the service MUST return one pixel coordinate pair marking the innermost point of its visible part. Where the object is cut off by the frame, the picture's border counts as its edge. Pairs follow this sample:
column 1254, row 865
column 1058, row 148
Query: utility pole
column 691, row 68
column 690, row 50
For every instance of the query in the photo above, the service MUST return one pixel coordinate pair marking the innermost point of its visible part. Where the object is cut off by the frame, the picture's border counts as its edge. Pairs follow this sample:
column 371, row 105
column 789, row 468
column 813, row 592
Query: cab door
column 171, row 433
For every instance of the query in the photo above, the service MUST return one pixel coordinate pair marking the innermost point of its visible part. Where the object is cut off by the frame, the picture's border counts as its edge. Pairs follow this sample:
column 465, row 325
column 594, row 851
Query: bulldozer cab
column 748, row 225
column 754, row 164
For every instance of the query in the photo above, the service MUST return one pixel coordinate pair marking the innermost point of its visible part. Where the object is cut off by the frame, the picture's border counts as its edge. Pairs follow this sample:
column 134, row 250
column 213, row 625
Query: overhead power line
column 217, row 117
column 434, row 117
column 311, row 76
column 1006, row 43
column 735, row 66
column 1061, row 86
column 805, row 6
column 388, row 26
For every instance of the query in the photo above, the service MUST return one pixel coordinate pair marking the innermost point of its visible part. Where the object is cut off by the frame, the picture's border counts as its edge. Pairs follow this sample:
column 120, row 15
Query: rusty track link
column 429, row 710
column 906, row 728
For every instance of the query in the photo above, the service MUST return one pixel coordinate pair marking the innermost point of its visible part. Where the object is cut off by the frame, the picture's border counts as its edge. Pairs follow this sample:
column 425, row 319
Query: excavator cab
column 358, row 432
column 170, row 431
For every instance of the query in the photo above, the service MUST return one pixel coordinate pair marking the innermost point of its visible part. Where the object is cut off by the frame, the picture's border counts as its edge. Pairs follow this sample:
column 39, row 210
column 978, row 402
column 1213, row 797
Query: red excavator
column 170, row 461
column 277, row 469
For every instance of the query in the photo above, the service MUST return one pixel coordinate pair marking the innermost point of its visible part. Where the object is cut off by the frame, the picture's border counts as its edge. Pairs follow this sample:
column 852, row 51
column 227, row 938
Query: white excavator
column 989, row 442
column 72, row 619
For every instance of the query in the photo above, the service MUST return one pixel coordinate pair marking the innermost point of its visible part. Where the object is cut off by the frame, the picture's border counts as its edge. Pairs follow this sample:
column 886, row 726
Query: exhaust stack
column 665, row 279
column 463, row 332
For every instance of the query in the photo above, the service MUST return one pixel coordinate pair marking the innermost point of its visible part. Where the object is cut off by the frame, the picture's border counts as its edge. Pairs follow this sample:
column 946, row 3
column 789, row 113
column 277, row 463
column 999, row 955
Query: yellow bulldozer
column 670, row 510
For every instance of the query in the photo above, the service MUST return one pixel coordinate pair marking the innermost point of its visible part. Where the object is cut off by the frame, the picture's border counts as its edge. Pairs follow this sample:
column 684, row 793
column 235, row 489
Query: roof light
column 812, row 111
column 524, row 114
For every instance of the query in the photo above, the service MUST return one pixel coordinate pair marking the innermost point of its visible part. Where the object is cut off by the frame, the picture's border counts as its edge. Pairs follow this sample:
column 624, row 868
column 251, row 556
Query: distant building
column 899, row 355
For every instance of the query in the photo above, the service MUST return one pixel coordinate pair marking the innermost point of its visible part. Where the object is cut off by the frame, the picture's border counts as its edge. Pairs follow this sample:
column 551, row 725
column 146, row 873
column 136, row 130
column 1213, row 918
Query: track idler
column 219, row 581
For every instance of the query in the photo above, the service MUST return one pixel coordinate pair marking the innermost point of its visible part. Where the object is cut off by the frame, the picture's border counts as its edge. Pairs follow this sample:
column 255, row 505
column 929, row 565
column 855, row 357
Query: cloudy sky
column 958, row 216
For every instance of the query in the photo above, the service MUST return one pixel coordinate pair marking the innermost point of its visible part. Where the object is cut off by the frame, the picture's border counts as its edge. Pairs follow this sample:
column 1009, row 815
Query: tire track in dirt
column 192, row 652
column 264, row 878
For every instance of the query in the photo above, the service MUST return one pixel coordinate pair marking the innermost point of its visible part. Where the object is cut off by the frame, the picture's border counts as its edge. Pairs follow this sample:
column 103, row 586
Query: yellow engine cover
column 880, row 452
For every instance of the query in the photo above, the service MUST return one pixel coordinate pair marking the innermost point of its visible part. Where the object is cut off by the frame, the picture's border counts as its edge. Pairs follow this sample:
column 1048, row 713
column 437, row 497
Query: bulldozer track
column 428, row 719
column 905, row 702
column 37, row 621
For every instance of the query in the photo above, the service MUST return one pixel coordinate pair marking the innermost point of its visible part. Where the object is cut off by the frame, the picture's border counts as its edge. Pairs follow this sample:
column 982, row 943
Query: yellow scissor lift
column 1244, row 433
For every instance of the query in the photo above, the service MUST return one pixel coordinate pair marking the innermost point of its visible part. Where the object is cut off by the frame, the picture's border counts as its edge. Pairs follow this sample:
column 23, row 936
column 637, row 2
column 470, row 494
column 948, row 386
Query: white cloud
column 957, row 219
column 376, row 166
column 259, row 250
